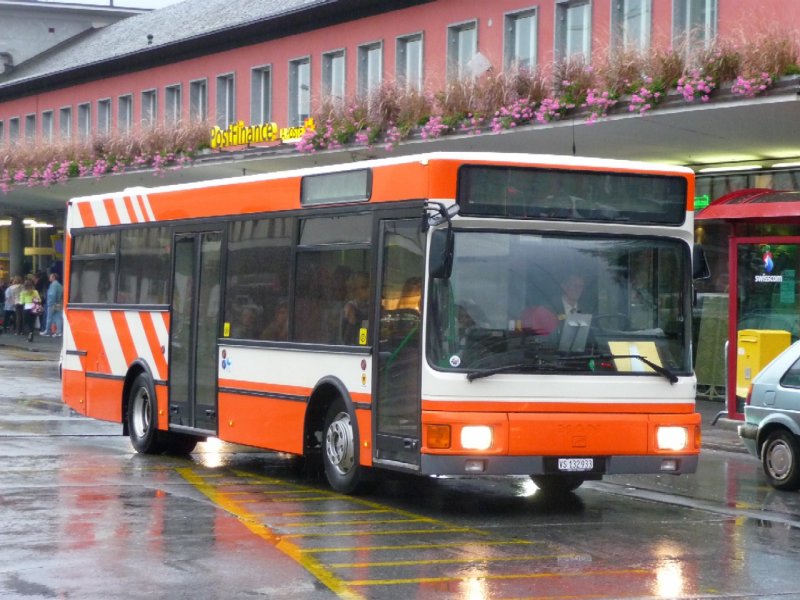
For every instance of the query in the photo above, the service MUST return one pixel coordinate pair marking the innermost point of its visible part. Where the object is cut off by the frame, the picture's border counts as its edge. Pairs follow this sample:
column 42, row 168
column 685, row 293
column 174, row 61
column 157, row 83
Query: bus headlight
column 672, row 438
column 476, row 437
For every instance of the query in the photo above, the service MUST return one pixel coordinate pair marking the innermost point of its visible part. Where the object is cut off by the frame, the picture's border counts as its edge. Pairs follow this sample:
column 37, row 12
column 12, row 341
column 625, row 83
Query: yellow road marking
column 385, row 532
column 367, row 522
column 451, row 561
column 418, row 546
column 313, row 566
column 314, row 513
column 370, row 582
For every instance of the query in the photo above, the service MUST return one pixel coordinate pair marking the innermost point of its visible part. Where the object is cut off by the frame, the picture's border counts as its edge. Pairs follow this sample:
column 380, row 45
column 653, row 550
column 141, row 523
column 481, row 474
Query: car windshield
column 521, row 302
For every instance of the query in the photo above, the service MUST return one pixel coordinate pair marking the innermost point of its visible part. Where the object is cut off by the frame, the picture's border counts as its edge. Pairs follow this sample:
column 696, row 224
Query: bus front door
column 194, row 329
column 399, row 350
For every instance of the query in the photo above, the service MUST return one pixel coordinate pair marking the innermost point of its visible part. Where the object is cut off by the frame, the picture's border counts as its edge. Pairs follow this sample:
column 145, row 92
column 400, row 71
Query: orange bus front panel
column 73, row 389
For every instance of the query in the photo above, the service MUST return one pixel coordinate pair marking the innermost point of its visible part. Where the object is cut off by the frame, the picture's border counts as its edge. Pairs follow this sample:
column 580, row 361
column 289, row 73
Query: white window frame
column 299, row 99
column 261, row 95
column 48, row 120
column 30, row 127
column 459, row 49
column 149, row 100
column 370, row 67
column 226, row 99
column 568, row 45
column 84, row 120
column 198, row 99
column 334, row 76
column 65, row 124
column 620, row 19
column 511, row 43
column 682, row 16
column 125, row 113
column 173, row 103
column 104, row 116
column 403, row 61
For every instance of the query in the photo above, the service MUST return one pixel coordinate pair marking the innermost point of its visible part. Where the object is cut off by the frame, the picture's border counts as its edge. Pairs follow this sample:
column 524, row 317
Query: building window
column 299, row 91
column 65, row 122
column 13, row 130
column 694, row 22
column 226, row 100
column 370, row 68
column 47, row 125
column 260, row 95
column 198, row 100
column 520, row 40
column 104, row 116
column 172, row 102
column 85, row 121
column 30, row 127
column 462, row 45
column 125, row 114
column 631, row 22
column 573, row 29
column 149, row 107
column 408, row 67
column 333, row 82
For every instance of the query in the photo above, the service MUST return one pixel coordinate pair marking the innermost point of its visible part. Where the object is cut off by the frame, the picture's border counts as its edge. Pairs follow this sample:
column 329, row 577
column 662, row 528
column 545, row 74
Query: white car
column 771, row 430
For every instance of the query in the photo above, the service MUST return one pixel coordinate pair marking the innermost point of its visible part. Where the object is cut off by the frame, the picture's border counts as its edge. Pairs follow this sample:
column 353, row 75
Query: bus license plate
column 575, row 464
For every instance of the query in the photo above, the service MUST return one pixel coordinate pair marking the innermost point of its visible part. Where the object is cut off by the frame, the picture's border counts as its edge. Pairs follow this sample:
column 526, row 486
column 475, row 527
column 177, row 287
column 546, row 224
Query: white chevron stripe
column 110, row 341
column 137, row 210
column 122, row 210
column 100, row 213
column 160, row 324
column 148, row 208
column 74, row 220
column 69, row 362
column 134, row 320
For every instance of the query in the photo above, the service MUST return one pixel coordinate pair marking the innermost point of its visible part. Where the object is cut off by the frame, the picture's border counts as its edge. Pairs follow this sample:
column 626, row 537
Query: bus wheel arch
column 136, row 369
column 141, row 415
column 331, row 432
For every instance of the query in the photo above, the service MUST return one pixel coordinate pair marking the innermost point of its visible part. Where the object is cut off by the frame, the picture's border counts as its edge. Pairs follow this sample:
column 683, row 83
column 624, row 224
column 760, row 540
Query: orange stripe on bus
column 87, row 214
column 131, row 211
column 111, row 211
column 123, row 333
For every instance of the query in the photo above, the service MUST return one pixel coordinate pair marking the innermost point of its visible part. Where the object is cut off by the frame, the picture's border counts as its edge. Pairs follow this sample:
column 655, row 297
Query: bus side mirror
column 441, row 253
column 700, row 268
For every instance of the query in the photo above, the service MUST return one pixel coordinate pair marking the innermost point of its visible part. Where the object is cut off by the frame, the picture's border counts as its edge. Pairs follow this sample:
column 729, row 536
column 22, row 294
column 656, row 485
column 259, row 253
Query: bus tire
column 340, row 450
column 780, row 457
column 143, row 417
column 557, row 484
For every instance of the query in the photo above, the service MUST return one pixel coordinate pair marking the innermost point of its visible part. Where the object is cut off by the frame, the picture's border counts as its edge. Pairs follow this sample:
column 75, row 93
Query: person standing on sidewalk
column 55, row 307
column 13, row 306
column 32, row 305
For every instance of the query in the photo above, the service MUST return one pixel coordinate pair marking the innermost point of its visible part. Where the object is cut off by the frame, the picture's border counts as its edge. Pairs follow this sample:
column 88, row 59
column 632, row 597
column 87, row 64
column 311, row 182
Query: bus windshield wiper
column 663, row 371
column 538, row 366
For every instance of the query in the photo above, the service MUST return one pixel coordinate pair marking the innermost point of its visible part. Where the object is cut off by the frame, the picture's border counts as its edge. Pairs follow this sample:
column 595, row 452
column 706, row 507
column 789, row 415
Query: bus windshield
column 548, row 303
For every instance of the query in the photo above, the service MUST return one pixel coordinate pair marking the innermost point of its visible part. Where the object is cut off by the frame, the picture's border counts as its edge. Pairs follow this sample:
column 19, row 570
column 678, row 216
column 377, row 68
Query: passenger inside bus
column 356, row 310
column 544, row 320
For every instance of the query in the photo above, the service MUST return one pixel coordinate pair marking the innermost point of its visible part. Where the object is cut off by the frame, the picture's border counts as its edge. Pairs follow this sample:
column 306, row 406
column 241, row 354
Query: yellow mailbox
column 755, row 348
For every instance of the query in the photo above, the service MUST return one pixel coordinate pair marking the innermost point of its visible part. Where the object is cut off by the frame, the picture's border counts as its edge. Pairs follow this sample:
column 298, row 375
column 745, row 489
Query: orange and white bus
column 407, row 314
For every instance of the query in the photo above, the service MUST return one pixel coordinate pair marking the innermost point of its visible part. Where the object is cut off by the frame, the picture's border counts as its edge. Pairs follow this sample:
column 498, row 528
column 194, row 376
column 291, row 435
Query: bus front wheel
column 143, row 417
column 340, row 450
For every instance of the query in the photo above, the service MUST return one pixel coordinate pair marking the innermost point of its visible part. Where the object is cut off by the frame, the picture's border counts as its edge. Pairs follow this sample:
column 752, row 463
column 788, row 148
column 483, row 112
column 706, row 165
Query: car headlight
column 672, row 438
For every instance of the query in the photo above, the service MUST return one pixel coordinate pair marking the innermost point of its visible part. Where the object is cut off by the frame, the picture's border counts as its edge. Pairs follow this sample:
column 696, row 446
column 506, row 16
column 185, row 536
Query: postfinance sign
column 238, row 134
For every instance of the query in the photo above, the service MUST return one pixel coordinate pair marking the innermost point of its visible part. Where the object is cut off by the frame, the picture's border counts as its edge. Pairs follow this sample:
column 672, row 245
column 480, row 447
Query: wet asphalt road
column 83, row 516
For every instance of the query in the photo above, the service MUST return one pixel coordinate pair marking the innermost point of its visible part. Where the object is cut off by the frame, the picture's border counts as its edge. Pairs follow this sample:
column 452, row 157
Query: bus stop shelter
column 763, row 304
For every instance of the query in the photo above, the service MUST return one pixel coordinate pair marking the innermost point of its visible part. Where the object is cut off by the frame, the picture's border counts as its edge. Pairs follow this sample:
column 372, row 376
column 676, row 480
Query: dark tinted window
column 144, row 266
column 571, row 195
column 332, row 301
column 93, row 268
column 348, row 229
column 259, row 258
column 792, row 377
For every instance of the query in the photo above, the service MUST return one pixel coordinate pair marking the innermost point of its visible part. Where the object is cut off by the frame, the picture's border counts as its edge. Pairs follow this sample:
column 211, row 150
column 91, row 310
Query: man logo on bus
column 769, row 264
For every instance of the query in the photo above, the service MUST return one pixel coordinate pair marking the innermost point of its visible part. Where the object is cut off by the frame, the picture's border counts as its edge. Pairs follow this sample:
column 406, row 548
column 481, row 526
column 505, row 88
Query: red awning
column 756, row 203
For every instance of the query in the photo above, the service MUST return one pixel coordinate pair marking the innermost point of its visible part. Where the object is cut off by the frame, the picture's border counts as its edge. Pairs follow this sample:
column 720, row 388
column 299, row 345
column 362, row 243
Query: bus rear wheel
column 340, row 451
column 143, row 417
